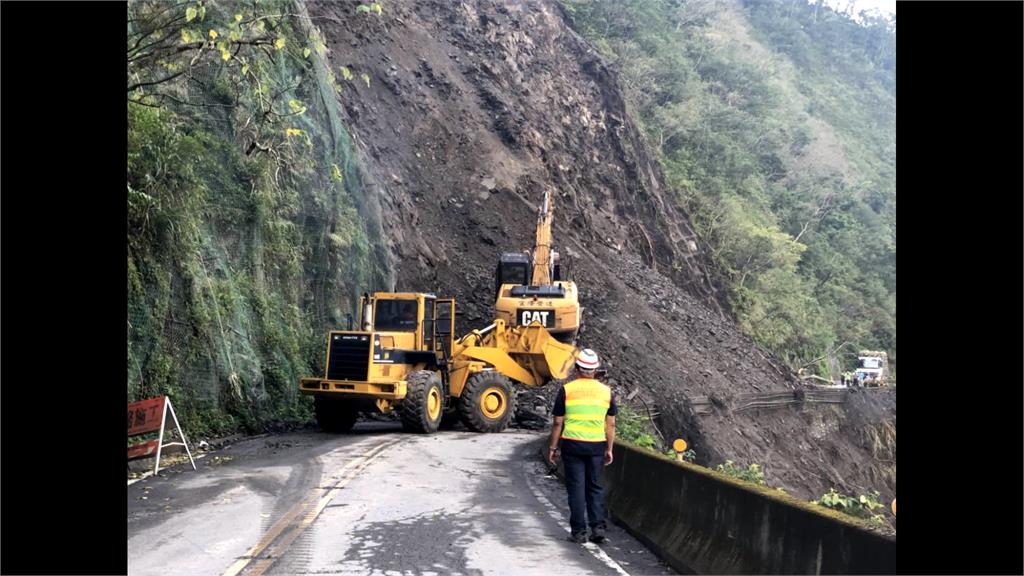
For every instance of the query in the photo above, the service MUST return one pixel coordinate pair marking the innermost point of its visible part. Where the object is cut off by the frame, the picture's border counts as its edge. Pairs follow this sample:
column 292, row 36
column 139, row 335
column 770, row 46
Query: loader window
column 428, row 324
column 395, row 316
column 444, row 318
column 443, row 313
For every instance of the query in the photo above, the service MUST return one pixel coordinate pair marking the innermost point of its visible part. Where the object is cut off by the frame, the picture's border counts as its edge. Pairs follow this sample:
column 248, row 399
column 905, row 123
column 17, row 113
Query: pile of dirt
column 473, row 109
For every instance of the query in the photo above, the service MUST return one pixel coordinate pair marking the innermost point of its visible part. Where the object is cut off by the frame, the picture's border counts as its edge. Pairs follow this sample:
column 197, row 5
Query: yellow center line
column 287, row 520
column 263, row 564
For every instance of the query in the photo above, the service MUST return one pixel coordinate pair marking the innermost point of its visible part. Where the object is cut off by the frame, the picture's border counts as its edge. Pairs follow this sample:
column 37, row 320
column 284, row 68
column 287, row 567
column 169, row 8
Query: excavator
column 531, row 290
column 405, row 359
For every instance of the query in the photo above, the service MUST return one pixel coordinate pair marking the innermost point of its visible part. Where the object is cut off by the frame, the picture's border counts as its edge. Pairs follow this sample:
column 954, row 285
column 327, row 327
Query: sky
column 885, row 6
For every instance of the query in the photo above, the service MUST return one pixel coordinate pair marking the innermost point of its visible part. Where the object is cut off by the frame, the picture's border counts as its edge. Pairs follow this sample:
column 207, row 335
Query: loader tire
column 487, row 403
column 334, row 415
column 423, row 406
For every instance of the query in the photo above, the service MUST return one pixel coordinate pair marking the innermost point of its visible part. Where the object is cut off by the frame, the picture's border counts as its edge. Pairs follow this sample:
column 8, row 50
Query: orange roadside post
column 679, row 446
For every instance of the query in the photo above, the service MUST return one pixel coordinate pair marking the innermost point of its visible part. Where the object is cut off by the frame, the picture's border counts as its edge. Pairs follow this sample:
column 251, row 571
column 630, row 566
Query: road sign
column 149, row 416
column 145, row 416
column 144, row 450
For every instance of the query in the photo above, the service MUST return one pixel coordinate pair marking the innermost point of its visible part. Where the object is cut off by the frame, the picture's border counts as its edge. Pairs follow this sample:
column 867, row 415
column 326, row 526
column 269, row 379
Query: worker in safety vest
column 585, row 425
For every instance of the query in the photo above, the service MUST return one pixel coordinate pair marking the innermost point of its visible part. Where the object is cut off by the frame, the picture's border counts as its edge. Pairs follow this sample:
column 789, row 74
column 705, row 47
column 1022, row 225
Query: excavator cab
column 513, row 268
column 532, row 289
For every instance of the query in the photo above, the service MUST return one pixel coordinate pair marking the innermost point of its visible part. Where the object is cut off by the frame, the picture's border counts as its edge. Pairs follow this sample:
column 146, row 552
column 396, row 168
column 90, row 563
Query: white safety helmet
column 587, row 360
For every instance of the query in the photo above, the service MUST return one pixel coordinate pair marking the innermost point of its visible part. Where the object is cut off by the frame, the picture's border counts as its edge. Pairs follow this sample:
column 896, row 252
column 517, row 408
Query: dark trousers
column 583, row 483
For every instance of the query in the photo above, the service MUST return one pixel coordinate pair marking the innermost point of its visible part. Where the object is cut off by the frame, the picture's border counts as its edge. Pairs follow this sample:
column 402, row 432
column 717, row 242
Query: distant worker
column 585, row 423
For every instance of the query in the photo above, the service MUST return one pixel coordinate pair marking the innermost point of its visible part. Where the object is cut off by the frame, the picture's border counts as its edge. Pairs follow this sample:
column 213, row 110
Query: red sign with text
column 145, row 415
column 143, row 450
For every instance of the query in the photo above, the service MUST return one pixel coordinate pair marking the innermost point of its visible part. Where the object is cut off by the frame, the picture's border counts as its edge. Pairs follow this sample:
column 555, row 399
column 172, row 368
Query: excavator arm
column 542, row 264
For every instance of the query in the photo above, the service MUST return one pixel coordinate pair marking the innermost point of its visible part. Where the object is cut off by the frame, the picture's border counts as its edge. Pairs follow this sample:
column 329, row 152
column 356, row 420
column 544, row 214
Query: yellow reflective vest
column 586, row 405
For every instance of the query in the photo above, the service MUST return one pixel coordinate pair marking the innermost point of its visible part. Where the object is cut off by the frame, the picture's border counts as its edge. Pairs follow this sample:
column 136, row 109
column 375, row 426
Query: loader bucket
column 549, row 357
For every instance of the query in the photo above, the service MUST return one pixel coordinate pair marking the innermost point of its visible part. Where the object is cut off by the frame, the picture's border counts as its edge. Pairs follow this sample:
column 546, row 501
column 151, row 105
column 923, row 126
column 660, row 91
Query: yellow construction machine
column 405, row 358
column 532, row 290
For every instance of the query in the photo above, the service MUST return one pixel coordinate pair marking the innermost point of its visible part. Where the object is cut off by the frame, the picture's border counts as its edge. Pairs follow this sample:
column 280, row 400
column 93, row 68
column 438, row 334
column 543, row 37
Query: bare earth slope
column 474, row 108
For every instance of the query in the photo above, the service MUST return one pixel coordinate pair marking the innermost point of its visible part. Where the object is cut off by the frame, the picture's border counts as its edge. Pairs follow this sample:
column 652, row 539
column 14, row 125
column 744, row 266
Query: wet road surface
column 376, row 501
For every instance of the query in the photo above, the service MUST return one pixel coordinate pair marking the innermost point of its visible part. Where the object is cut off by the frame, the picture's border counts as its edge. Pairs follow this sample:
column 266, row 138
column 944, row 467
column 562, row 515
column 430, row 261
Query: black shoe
column 578, row 538
column 597, row 534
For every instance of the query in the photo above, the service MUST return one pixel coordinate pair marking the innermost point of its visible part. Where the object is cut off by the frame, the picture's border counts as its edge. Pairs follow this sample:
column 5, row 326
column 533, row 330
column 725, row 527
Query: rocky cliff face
column 471, row 110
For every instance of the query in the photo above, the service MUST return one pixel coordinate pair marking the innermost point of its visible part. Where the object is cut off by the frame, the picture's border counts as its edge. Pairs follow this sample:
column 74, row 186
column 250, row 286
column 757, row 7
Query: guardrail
column 701, row 521
column 785, row 397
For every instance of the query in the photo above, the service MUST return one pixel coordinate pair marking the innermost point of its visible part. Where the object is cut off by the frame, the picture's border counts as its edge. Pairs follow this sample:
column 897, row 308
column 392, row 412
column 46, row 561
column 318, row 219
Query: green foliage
column 862, row 506
column 374, row 7
column 783, row 157
column 751, row 473
column 689, row 455
column 634, row 428
column 230, row 293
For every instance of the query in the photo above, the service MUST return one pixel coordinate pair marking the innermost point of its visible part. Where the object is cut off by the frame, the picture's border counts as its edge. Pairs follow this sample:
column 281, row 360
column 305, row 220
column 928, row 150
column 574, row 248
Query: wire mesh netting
column 228, row 306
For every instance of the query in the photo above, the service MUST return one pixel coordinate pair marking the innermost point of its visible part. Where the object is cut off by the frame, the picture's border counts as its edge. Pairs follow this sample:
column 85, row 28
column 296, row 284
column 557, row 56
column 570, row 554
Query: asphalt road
column 376, row 501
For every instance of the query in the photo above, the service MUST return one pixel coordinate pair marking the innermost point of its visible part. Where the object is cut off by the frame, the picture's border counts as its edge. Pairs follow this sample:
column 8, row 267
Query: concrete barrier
column 701, row 521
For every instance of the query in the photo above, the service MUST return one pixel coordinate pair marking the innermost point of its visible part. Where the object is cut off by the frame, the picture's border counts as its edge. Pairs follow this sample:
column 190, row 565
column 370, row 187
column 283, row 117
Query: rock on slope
column 472, row 109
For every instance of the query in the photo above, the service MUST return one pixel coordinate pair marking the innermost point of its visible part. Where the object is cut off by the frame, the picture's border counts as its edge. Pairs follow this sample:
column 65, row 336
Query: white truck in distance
column 872, row 368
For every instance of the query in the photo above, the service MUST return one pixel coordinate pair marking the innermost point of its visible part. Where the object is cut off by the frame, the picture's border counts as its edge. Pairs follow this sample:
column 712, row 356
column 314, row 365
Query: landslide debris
column 472, row 109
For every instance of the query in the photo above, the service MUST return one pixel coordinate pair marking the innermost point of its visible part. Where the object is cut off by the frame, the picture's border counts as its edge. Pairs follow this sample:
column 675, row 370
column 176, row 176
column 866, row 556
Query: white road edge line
column 554, row 512
column 148, row 474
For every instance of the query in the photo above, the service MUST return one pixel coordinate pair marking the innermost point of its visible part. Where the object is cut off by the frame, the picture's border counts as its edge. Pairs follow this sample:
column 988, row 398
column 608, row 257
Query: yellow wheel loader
column 529, row 290
column 406, row 359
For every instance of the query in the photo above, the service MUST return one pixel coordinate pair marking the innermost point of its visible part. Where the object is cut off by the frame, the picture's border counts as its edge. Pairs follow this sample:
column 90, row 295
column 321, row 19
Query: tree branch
column 155, row 82
column 142, row 103
column 827, row 354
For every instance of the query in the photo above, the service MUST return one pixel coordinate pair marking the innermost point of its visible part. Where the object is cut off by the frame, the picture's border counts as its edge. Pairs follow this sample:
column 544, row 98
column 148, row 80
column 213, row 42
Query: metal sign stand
column 160, row 445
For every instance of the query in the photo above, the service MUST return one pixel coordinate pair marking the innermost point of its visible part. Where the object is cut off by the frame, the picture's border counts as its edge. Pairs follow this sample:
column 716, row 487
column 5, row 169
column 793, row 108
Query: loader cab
column 399, row 315
column 513, row 268
column 410, row 320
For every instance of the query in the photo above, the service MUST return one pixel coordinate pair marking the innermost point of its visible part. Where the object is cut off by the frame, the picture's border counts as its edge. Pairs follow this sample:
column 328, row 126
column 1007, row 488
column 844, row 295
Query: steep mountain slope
column 322, row 151
column 775, row 121
column 470, row 111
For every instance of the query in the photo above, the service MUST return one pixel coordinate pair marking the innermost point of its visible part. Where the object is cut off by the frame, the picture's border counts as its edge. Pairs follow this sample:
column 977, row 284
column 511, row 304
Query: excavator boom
column 542, row 244
column 535, row 288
